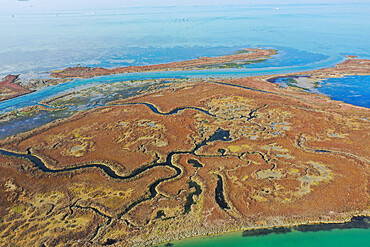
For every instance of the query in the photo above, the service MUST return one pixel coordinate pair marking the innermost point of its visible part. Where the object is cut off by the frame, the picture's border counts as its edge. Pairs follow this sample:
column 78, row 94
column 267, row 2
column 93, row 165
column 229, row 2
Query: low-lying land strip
column 238, row 59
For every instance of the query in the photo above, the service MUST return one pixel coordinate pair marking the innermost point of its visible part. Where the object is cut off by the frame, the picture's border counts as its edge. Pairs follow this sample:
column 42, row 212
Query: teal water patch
column 333, row 238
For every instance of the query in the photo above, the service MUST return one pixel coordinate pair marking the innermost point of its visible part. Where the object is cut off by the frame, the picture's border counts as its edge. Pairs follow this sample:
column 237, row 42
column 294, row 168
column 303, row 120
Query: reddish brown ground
column 9, row 89
column 198, row 63
column 292, row 158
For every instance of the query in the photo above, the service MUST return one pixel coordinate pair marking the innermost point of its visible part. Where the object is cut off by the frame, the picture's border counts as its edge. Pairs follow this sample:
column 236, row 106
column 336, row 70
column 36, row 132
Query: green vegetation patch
column 291, row 82
column 18, row 209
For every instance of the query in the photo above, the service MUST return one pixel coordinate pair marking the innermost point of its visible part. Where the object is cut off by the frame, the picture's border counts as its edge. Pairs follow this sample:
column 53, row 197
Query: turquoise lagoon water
column 333, row 238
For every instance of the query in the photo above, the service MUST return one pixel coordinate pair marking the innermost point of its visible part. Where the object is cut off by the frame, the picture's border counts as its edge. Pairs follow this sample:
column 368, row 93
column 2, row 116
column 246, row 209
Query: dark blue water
column 350, row 89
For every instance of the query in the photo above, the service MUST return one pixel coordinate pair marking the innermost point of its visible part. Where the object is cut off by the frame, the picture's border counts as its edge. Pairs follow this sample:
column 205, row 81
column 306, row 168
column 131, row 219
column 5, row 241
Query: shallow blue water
column 136, row 36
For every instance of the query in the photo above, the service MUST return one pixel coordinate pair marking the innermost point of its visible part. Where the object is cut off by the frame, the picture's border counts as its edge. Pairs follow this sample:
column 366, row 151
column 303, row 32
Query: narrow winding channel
column 174, row 111
column 219, row 135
